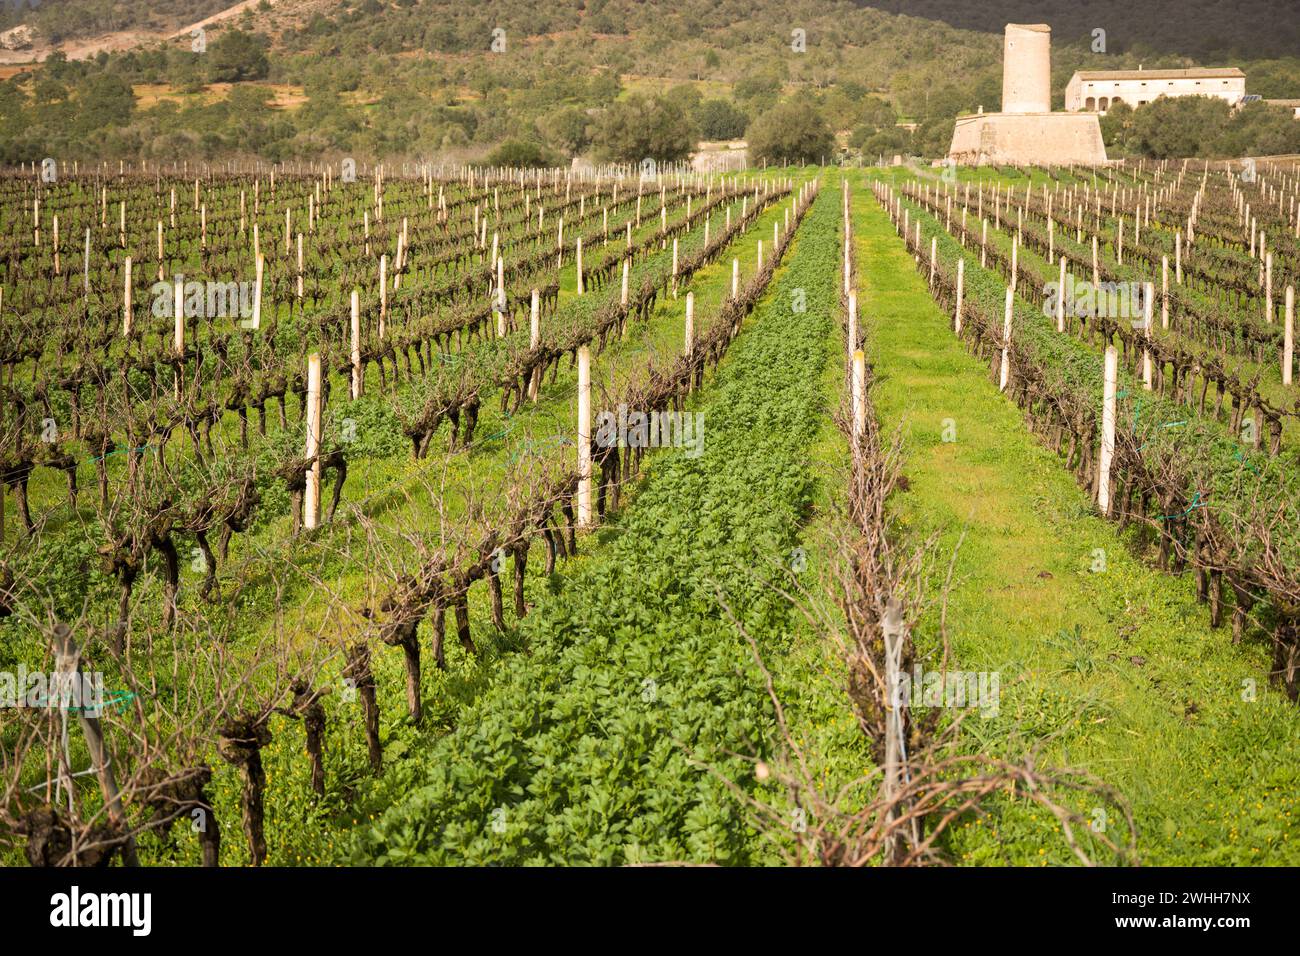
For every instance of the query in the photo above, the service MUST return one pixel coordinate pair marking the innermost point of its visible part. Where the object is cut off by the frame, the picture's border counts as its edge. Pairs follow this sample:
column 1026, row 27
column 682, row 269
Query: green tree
column 1180, row 126
column 757, row 93
column 514, row 152
column 237, row 56
column 1117, row 128
column 876, row 113
column 875, row 142
column 106, row 100
column 686, row 95
column 568, row 129
column 1275, row 80
column 790, row 132
column 720, row 119
column 641, row 127
column 1260, row 129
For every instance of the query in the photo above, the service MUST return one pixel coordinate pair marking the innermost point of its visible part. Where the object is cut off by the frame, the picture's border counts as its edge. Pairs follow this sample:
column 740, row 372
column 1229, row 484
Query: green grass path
column 1115, row 671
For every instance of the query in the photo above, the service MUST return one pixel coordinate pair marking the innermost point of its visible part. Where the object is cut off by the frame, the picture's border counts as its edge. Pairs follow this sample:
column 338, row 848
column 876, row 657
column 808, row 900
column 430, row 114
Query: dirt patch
column 283, row 95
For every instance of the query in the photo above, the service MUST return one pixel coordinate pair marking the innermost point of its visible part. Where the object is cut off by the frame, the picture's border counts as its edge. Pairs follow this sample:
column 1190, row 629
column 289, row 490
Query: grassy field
column 1115, row 670
column 314, row 833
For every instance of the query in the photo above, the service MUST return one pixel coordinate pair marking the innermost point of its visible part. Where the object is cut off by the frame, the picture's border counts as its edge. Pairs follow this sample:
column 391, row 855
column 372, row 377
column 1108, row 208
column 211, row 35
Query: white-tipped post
column 584, row 436
column 1005, row 375
column 1108, row 415
column 859, row 393
column 311, row 493
column 356, row 345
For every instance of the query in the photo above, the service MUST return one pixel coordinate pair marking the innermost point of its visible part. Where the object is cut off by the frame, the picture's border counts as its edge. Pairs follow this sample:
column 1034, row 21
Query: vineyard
column 481, row 515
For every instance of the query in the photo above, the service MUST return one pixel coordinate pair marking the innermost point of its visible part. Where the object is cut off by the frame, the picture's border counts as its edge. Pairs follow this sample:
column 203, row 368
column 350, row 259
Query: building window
column 1090, row 103
column 1103, row 103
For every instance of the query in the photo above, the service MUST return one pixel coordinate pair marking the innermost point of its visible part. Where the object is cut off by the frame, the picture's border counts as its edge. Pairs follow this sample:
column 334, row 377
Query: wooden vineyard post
column 674, row 282
column 848, row 265
column 1096, row 268
column 68, row 658
column 178, row 325
column 300, row 277
column 1108, row 414
column 579, row 264
column 984, row 244
column 1060, row 299
column 853, row 323
column 534, row 339
column 311, row 494
column 1015, row 262
column 383, row 292
column 126, row 299
column 584, row 436
column 893, row 632
column 259, row 270
column 500, row 304
column 1288, row 336
column 1148, row 306
column 1005, row 375
column 357, row 370
column 760, row 255
column 1178, row 257
column 1164, row 292
column 735, row 278
column 934, row 258
column 85, row 280
column 623, row 294
column 859, row 393
column 1268, row 288
column 689, row 345
column 961, row 291
column 178, row 315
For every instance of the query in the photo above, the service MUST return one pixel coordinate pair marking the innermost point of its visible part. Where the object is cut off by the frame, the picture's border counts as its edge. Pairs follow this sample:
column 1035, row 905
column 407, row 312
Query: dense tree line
column 1177, row 127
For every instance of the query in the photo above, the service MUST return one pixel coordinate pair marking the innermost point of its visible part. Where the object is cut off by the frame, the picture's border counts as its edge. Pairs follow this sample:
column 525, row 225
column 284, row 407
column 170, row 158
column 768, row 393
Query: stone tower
column 1027, row 132
column 1027, row 68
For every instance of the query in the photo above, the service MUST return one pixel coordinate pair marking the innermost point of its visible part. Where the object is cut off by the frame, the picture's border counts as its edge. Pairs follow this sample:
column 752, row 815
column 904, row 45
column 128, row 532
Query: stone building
column 1292, row 105
column 1027, row 132
column 1095, row 91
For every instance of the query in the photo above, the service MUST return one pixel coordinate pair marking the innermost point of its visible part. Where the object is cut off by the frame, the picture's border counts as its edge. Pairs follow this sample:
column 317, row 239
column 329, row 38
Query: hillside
column 62, row 23
column 414, row 78
column 1248, row 29
column 1199, row 28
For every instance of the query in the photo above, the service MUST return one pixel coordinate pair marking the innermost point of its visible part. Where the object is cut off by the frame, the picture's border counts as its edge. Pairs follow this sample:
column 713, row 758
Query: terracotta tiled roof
column 1196, row 73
